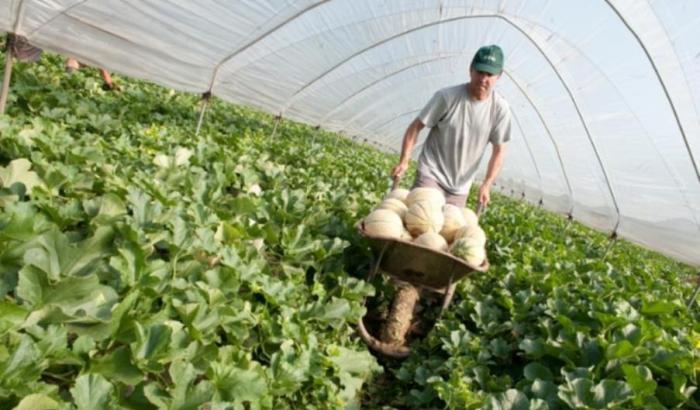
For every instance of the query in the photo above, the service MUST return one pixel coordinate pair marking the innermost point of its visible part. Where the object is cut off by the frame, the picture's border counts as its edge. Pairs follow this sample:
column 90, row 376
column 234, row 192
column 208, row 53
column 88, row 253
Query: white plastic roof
column 605, row 94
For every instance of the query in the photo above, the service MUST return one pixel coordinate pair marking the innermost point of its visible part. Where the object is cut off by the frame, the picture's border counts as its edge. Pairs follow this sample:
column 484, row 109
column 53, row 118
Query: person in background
column 463, row 120
column 73, row 65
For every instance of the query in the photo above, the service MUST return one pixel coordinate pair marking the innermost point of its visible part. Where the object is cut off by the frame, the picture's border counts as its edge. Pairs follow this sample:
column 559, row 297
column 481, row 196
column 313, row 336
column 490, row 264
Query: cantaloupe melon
column 470, row 217
column 473, row 232
column 454, row 220
column 424, row 217
column 469, row 250
column 432, row 195
column 384, row 223
column 395, row 205
column 432, row 240
column 398, row 193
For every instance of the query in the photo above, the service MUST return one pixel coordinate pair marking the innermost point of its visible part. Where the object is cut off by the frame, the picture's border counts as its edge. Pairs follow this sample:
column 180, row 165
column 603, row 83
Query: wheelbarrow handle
column 480, row 208
column 395, row 183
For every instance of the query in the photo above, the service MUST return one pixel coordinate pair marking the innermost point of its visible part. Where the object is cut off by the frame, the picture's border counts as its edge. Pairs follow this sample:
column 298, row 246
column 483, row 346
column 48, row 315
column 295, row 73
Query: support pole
column 695, row 294
column 613, row 239
column 274, row 129
column 9, row 57
column 316, row 131
column 205, row 97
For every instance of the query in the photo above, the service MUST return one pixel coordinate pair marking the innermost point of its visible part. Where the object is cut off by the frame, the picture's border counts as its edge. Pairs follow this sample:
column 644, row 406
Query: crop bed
column 142, row 266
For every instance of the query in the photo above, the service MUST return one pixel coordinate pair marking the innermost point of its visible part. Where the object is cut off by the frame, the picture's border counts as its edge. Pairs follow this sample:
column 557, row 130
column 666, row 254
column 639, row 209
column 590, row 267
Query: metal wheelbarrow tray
column 420, row 266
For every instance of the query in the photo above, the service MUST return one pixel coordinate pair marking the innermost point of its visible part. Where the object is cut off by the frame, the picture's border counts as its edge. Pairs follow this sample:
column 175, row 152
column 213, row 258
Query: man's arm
column 498, row 152
column 409, row 140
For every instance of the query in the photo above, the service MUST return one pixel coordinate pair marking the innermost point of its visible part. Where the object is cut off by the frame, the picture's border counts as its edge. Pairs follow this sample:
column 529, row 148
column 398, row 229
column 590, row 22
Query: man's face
column 483, row 82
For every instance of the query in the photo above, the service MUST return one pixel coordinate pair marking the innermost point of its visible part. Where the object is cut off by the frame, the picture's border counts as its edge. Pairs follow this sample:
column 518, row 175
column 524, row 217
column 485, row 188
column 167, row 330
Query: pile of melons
column 422, row 217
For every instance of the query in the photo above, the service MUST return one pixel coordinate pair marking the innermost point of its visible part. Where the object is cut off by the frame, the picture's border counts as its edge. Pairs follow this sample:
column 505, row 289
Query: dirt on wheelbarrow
column 400, row 317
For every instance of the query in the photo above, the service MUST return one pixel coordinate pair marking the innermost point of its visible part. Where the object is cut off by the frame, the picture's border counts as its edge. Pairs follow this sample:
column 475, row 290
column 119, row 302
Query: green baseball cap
column 488, row 59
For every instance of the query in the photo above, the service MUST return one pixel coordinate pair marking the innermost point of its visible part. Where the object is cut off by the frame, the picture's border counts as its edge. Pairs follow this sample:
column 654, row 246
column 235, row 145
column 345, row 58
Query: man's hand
column 409, row 139
column 399, row 170
column 495, row 163
column 484, row 194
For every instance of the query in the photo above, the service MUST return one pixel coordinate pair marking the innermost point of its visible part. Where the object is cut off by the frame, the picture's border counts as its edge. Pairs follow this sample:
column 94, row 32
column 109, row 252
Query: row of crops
column 142, row 266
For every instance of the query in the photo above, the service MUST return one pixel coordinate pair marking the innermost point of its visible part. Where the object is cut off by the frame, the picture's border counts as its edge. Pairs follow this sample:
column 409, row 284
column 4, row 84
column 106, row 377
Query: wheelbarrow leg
column 449, row 293
column 375, row 268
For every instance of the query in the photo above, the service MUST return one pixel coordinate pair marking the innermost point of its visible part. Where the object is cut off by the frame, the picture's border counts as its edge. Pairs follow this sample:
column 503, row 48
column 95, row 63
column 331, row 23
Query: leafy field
column 150, row 268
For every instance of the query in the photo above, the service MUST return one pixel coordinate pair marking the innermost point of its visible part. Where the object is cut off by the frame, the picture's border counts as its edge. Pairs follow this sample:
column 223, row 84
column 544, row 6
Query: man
column 462, row 119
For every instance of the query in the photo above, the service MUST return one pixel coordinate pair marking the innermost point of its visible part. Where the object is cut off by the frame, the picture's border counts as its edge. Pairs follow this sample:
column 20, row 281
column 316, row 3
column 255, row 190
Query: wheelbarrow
column 421, row 267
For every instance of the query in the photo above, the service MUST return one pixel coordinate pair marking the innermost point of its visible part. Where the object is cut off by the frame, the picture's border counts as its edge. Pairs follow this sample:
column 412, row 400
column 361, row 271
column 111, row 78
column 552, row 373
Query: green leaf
column 117, row 366
column 92, row 391
column 239, row 385
column 38, row 402
column 32, row 285
column 18, row 171
column 640, row 379
column 185, row 395
column 334, row 310
column 535, row 370
column 11, row 316
column 111, row 206
column 533, row 347
column 151, row 344
column 577, row 393
column 611, row 393
column 545, row 390
column 82, row 300
column 511, row 399
column 658, row 307
column 354, row 362
column 620, row 350
column 56, row 256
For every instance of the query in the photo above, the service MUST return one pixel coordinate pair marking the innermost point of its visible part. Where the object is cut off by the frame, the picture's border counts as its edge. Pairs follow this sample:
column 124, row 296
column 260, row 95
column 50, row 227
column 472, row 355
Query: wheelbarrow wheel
column 390, row 350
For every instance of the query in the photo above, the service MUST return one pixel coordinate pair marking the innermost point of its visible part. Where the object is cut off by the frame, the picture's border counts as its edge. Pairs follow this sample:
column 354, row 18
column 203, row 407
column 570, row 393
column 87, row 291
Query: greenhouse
column 190, row 231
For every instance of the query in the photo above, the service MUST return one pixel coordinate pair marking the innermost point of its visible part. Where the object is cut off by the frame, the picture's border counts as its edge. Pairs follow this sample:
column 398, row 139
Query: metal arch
column 529, row 150
column 352, row 119
column 622, row 99
column 663, row 86
column 18, row 17
column 533, row 42
column 385, row 123
column 551, row 138
column 393, row 73
column 263, row 35
column 54, row 17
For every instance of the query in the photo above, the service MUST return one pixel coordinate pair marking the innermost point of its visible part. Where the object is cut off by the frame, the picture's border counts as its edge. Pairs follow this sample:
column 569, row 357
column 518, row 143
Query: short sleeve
column 500, row 134
column 433, row 111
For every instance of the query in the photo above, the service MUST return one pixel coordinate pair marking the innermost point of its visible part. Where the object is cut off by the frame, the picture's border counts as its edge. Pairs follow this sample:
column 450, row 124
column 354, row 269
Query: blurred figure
column 73, row 65
column 21, row 49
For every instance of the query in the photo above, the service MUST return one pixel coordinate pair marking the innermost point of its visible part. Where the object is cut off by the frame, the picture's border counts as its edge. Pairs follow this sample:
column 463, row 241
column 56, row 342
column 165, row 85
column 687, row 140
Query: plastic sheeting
column 605, row 94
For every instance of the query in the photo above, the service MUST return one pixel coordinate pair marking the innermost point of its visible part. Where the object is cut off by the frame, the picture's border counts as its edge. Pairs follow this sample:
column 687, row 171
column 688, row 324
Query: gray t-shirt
column 460, row 129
